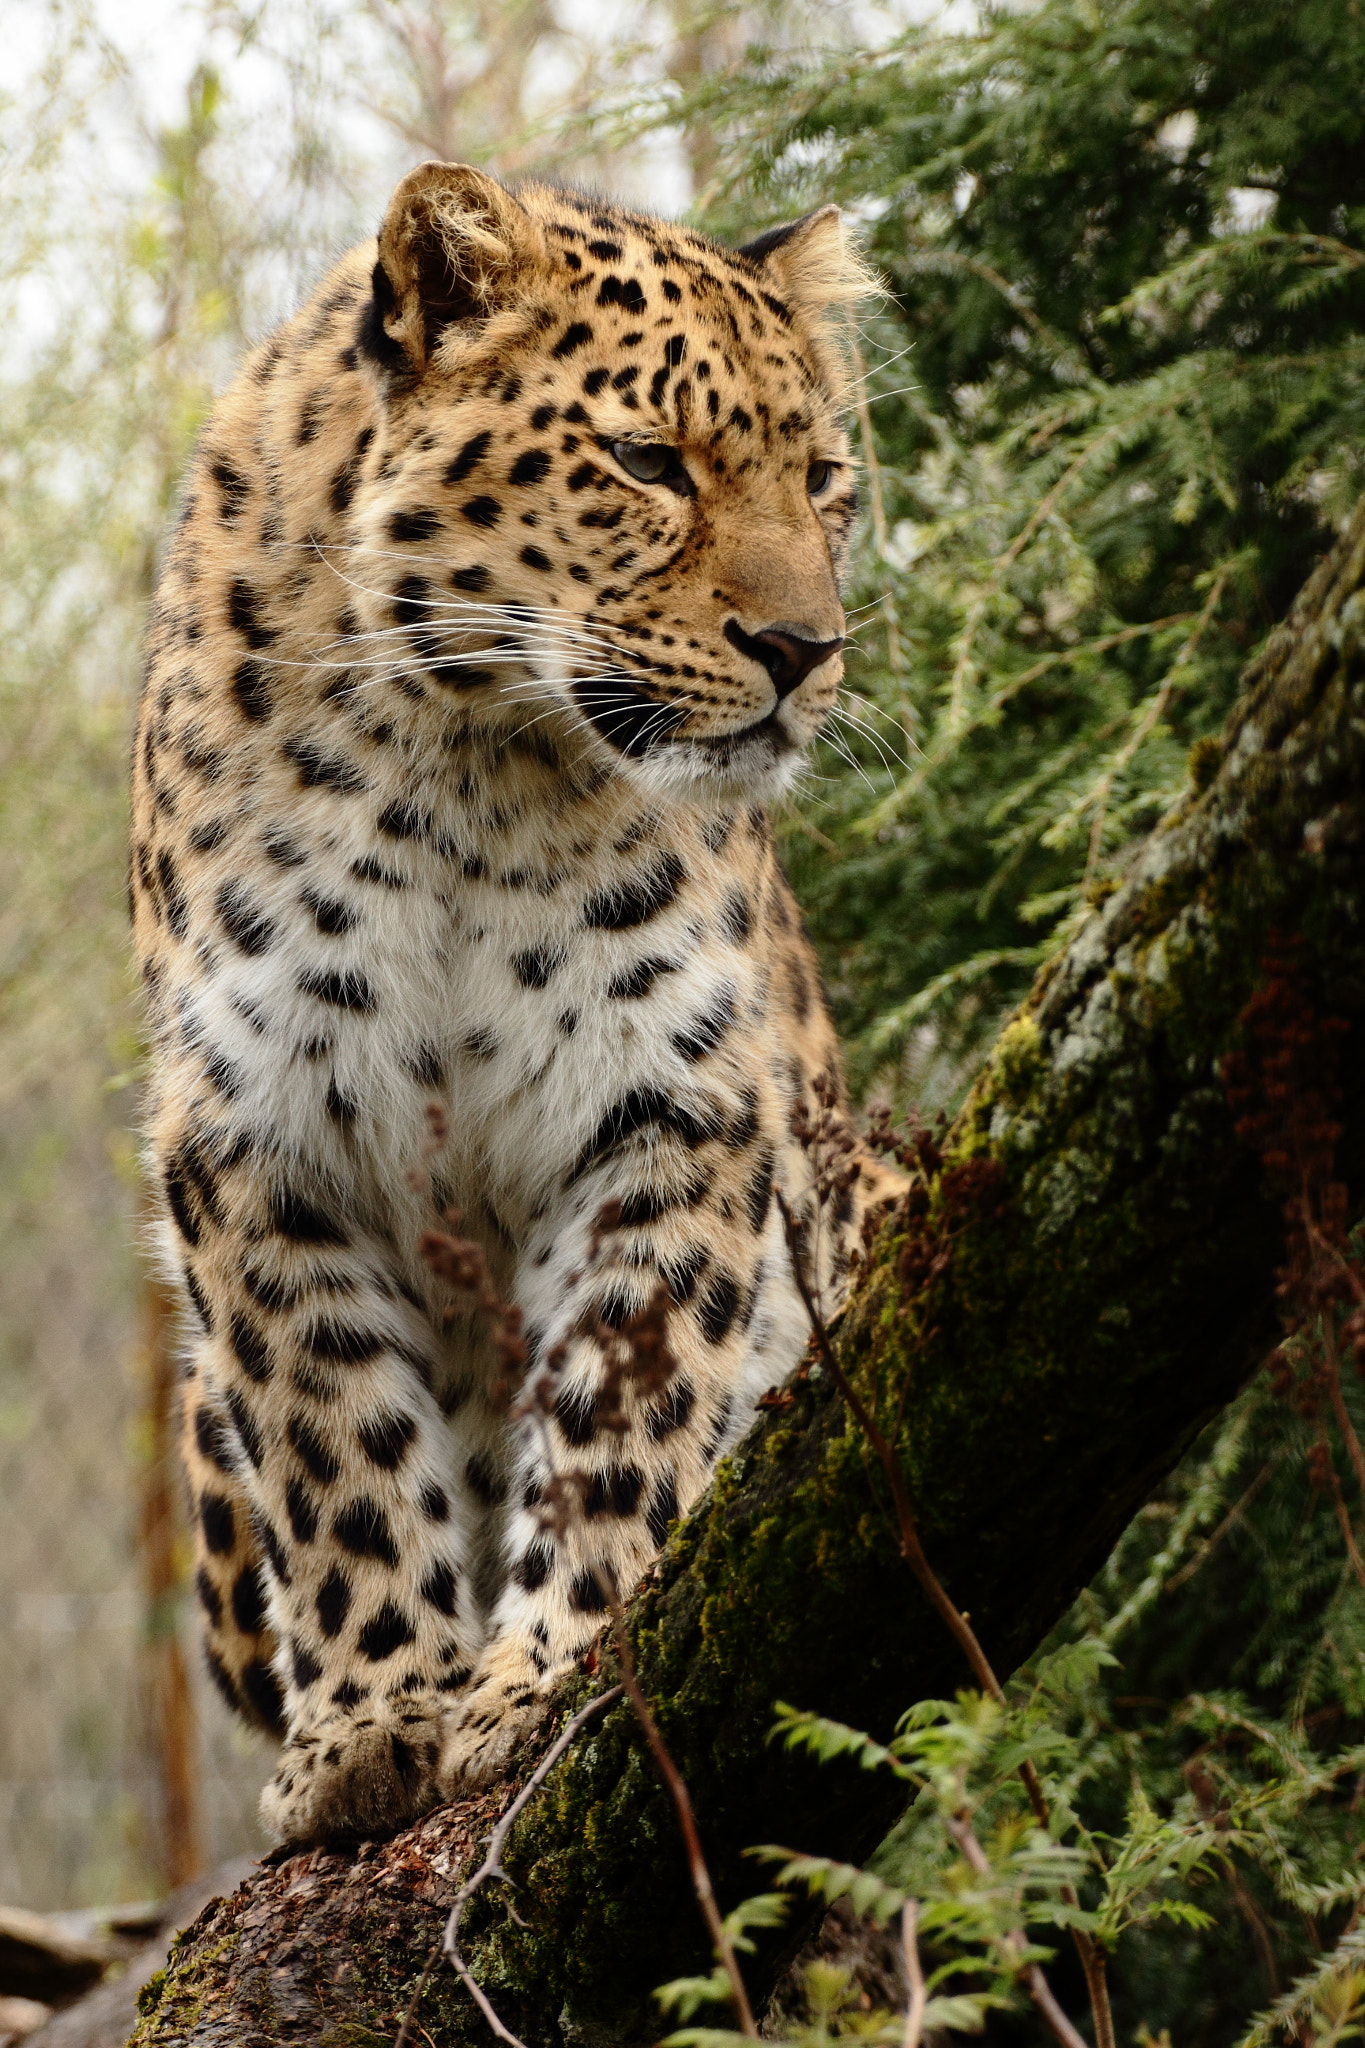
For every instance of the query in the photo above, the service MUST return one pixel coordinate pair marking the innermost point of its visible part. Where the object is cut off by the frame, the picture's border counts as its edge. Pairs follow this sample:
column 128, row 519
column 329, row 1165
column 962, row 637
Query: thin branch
column 489, row 1868
column 1039, row 1990
column 1091, row 1956
column 687, row 1819
column 914, row 1974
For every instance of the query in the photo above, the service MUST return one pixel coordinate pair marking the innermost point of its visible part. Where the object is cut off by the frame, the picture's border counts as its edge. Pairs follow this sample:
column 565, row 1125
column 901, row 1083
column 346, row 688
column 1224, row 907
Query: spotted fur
column 449, row 787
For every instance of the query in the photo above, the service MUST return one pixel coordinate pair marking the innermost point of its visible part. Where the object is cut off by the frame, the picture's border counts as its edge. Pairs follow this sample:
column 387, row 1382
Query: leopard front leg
column 329, row 1458
column 635, row 1456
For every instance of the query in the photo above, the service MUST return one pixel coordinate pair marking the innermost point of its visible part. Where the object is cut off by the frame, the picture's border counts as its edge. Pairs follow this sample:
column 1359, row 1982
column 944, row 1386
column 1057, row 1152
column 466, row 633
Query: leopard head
column 611, row 483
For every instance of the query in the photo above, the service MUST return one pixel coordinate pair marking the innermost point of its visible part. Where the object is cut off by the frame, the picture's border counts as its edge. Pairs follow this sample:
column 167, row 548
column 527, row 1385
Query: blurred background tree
column 1111, row 410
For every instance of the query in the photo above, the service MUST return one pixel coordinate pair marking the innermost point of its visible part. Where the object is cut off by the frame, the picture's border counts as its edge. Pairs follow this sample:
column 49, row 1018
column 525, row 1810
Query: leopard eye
column 649, row 462
column 819, row 477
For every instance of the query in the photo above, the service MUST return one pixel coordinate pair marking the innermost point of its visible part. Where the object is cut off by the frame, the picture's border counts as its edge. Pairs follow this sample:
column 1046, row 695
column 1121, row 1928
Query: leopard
column 501, row 605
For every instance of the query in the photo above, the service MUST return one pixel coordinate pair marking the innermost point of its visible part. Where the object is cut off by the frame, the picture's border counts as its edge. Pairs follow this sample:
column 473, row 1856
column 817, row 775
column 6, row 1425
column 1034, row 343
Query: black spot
column 177, row 911
column 472, row 579
column 642, row 1109
column 704, row 1033
column 209, row 1598
column 594, row 381
column 247, row 1428
column 218, row 1672
column 635, row 901
column 672, row 1411
column 614, row 1493
column 575, row 1412
column 340, row 1107
column 232, row 485
column 401, row 820
column 736, row 918
column 385, row 1439
column 536, row 558
column 605, row 252
column 303, row 1514
column 637, row 981
column 485, row 512
column 571, row 339
column 244, row 922
column 663, row 1509
column 218, row 1523
column 339, row 1345
column 330, row 915
column 297, row 1219
column 586, row 1596
column 683, row 1272
column 252, row 1351
column 334, row 1601
column 718, row 1307
column 305, row 1668
column 483, row 1482
column 271, row 1545
column 363, row 1529
column 418, row 524
column 580, row 478
column 317, row 770
column 348, row 991
column 312, row 1450
column 758, row 1194
column 744, row 1129
column 534, row 967
column 199, row 1298
column 435, row 1502
column 472, row 453
column 388, row 1630
column 529, row 468
column 349, row 1694
column 211, row 1438
column 648, row 1204
column 248, row 1601
column 262, row 1690
column 533, row 1567
column 616, row 291
column 438, row 1588
column 252, row 692
column 671, row 291
column 244, row 612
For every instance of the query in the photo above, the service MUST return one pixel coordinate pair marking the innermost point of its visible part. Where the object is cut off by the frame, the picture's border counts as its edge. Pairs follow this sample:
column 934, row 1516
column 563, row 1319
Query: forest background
column 1110, row 414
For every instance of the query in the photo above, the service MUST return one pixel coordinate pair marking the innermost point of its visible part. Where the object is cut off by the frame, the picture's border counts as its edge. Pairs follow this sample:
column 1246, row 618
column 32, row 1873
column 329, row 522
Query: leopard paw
column 356, row 1776
column 485, row 1728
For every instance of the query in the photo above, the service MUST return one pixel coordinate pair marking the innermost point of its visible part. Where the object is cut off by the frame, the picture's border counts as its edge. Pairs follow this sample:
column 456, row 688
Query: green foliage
column 1116, row 404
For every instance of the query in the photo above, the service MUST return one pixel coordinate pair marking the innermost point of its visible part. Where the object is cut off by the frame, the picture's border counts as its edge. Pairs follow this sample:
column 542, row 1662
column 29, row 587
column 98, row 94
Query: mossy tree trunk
column 1108, row 1286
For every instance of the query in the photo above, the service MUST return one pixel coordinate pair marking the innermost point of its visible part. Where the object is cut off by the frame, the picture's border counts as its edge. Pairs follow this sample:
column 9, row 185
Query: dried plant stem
column 1039, row 1990
column 914, row 1976
column 1091, row 1956
column 492, row 1867
column 687, row 1820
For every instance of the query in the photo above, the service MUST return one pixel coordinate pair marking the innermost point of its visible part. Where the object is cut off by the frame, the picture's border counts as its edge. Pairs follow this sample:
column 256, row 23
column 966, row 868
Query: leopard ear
column 812, row 264
column 454, row 249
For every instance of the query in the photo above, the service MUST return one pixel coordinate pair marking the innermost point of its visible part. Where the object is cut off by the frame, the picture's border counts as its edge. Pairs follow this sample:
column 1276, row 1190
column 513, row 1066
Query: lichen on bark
column 1107, row 1291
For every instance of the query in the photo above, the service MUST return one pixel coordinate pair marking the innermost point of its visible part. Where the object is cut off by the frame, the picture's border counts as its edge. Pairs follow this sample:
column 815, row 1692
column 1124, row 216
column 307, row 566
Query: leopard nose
column 787, row 657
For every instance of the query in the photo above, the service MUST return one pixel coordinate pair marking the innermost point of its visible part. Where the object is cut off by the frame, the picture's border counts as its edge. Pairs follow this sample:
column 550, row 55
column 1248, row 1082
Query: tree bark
column 1099, row 1282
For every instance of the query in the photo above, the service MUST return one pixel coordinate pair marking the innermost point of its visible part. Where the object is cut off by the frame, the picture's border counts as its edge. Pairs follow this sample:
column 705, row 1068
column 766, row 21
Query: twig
column 492, row 1867
column 1039, row 1990
column 1091, row 1957
column 682, row 1803
column 914, row 1975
